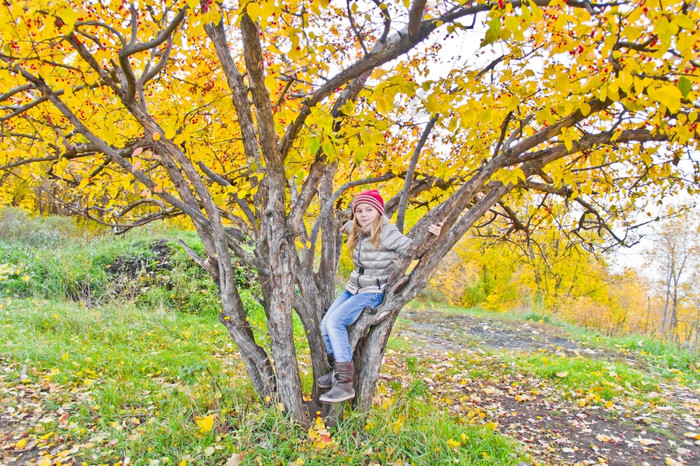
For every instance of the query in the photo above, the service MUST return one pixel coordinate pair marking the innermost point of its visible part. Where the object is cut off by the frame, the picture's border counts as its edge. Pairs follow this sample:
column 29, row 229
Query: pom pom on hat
column 371, row 197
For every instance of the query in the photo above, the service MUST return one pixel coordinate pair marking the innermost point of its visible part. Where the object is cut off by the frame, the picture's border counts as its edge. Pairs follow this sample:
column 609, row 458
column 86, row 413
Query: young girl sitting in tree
column 374, row 243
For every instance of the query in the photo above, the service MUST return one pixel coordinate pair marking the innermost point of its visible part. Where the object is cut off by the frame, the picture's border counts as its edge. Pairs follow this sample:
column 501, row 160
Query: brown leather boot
column 326, row 381
column 342, row 384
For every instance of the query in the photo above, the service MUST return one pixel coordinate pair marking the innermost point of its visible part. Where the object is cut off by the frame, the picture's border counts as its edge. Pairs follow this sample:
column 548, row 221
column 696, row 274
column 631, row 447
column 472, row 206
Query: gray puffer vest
column 372, row 264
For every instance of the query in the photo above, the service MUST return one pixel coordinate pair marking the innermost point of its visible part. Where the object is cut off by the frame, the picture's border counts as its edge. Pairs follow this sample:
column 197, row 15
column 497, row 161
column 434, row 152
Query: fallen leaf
column 646, row 441
column 237, row 459
column 205, row 423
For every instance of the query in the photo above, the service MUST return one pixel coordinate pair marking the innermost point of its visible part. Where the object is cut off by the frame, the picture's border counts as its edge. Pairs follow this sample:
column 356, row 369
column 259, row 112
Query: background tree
column 675, row 255
column 258, row 121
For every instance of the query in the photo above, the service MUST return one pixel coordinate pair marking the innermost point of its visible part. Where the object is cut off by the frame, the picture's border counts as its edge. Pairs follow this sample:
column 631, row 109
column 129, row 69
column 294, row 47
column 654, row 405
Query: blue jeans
column 343, row 312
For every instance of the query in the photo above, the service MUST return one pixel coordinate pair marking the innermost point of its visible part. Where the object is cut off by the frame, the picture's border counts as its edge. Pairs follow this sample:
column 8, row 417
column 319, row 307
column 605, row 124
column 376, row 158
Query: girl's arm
column 396, row 241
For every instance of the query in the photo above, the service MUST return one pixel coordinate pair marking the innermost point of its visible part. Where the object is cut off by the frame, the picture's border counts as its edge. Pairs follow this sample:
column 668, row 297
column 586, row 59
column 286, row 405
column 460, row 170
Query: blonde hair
column 356, row 231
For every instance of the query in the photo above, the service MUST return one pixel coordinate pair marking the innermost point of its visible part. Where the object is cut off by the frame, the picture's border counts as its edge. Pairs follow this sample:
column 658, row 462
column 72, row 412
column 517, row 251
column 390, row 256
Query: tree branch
column 354, row 27
column 415, row 14
column 224, row 182
column 403, row 202
column 387, row 21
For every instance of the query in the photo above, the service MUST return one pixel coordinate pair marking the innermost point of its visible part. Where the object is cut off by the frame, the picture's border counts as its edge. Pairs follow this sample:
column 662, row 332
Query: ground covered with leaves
column 567, row 398
column 121, row 384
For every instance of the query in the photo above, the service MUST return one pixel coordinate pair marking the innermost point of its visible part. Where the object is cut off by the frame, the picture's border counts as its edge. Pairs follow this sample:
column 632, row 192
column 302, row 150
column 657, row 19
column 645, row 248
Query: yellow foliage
column 205, row 423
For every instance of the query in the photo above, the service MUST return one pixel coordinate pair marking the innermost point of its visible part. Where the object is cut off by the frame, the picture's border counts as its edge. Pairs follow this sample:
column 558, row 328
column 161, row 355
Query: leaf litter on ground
column 51, row 416
column 649, row 419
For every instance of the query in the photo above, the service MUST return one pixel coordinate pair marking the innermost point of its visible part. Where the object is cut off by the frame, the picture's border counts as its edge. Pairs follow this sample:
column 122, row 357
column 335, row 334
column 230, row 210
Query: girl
column 374, row 243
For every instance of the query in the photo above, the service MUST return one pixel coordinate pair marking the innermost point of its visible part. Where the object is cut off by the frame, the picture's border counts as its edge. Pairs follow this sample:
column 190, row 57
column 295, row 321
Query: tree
column 257, row 121
column 674, row 253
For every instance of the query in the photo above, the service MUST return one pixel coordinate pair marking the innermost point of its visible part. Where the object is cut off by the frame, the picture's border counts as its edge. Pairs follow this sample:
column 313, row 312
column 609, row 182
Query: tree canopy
column 257, row 122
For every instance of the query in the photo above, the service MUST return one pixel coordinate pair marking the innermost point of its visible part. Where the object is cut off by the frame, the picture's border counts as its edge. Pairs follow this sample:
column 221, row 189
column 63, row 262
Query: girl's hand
column 345, row 229
column 436, row 228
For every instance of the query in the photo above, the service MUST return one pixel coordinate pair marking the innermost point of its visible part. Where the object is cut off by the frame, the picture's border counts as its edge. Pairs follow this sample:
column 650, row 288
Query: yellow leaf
column 187, row 334
column 452, row 443
column 253, row 10
column 156, row 136
column 267, row 9
column 83, row 183
column 20, row 445
column 669, row 96
column 684, row 21
column 205, row 423
column 69, row 18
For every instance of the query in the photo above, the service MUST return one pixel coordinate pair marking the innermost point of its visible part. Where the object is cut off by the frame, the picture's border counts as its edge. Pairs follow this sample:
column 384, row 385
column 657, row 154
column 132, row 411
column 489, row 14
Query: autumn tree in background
column 675, row 257
column 542, row 275
column 258, row 121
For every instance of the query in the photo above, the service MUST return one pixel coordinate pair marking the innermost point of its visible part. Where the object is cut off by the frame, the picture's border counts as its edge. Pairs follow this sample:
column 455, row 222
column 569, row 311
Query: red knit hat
column 371, row 197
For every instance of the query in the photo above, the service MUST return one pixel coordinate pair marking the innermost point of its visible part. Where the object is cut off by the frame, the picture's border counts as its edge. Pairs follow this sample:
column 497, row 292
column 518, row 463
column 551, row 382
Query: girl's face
column 365, row 214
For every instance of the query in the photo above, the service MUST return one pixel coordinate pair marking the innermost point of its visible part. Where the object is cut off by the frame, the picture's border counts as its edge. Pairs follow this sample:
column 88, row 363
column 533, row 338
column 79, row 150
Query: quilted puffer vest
column 372, row 263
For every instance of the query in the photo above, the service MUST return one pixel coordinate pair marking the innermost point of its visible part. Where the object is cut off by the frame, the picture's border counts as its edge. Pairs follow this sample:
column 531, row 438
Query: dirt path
column 552, row 427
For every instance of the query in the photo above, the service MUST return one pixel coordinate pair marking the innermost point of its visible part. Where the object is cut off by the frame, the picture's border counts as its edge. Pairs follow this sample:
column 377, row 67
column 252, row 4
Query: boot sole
column 323, row 386
column 336, row 400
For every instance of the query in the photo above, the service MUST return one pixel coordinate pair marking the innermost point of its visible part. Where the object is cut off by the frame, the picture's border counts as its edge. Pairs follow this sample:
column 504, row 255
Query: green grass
column 148, row 265
column 666, row 359
column 134, row 382
column 608, row 380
